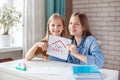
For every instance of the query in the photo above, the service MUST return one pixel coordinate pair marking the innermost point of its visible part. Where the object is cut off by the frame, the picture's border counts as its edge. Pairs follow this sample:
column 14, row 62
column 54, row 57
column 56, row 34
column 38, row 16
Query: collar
column 81, row 43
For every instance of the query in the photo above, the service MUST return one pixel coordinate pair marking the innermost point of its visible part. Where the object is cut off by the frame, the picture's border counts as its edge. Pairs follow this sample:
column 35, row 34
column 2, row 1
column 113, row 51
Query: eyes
column 53, row 25
column 71, row 23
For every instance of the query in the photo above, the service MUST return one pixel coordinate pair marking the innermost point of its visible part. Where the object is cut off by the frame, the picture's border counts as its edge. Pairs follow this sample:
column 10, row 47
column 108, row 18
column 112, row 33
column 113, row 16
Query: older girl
column 84, row 48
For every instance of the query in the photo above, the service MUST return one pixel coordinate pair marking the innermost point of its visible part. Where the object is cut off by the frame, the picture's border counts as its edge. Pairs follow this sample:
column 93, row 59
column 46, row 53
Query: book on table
column 86, row 72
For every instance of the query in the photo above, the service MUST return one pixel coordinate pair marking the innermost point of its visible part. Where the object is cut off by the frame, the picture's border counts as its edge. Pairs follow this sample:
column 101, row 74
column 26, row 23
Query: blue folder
column 86, row 72
column 85, row 69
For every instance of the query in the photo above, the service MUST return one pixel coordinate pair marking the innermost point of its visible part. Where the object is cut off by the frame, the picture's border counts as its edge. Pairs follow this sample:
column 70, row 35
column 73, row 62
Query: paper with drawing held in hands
column 57, row 47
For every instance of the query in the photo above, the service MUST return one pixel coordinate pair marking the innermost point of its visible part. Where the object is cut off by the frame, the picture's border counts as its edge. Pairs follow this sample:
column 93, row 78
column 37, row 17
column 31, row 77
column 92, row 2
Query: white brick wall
column 104, row 18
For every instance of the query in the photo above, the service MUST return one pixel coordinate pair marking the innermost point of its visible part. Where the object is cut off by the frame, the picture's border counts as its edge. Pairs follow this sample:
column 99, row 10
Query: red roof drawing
column 60, row 42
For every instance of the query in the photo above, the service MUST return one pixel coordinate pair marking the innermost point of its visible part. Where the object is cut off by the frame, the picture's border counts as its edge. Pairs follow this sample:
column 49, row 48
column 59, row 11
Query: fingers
column 71, row 48
column 44, row 48
column 43, row 45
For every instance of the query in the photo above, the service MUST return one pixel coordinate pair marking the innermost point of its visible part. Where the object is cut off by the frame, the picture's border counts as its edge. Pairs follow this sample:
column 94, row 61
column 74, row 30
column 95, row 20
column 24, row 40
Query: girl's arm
column 35, row 50
column 92, row 55
column 95, row 55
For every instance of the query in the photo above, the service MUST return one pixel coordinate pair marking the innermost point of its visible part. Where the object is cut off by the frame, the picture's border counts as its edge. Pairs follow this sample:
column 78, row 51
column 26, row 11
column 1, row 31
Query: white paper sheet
column 57, row 46
column 50, row 70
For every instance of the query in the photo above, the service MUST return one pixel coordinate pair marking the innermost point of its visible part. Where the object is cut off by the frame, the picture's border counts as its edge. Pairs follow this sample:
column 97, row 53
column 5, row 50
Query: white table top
column 40, row 69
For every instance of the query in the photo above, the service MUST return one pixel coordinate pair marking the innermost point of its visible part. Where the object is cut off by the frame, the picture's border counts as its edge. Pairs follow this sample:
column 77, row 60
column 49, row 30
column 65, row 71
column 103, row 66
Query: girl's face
column 75, row 27
column 56, row 27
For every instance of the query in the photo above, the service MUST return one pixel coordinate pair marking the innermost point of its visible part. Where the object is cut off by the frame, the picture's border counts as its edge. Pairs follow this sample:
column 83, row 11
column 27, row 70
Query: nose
column 55, row 27
column 72, row 26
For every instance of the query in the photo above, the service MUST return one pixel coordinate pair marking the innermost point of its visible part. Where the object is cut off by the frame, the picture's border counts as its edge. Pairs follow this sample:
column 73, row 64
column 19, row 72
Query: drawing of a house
column 59, row 41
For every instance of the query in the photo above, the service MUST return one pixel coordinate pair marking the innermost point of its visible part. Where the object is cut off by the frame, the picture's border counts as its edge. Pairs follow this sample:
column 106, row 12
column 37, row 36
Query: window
column 15, row 32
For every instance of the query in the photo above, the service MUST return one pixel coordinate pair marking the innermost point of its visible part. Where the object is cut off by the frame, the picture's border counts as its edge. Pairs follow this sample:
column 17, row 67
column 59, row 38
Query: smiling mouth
column 73, row 30
column 56, row 31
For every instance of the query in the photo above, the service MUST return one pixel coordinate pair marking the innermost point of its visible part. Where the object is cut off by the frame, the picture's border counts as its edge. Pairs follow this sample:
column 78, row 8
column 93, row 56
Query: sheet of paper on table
column 50, row 70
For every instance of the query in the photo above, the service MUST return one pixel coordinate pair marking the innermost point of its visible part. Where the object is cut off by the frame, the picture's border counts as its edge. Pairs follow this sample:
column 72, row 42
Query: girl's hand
column 72, row 48
column 42, row 45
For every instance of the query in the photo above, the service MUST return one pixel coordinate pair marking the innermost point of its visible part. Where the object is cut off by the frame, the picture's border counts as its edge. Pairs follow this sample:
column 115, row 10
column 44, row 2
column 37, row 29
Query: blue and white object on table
column 86, row 72
column 21, row 66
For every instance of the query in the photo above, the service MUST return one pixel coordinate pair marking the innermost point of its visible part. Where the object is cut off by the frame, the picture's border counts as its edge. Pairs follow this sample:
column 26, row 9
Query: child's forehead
column 74, row 18
column 57, row 19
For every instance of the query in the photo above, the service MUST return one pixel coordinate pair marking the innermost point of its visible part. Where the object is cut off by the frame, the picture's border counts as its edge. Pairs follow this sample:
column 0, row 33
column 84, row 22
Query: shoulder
column 90, row 38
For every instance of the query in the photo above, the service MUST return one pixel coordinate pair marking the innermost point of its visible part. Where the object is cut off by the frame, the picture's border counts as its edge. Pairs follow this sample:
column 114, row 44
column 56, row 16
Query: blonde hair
column 55, row 16
column 84, row 22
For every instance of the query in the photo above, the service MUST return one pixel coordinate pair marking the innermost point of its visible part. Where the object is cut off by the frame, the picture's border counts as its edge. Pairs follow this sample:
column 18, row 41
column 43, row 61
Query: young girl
column 56, row 27
column 84, row 48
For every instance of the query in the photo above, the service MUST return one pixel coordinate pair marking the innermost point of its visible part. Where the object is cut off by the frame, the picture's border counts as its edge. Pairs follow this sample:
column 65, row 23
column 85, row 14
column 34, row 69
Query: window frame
column 13, row 46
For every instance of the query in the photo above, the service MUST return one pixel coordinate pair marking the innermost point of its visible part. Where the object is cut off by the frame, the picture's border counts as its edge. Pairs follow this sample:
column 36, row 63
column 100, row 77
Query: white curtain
column 34, row 23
